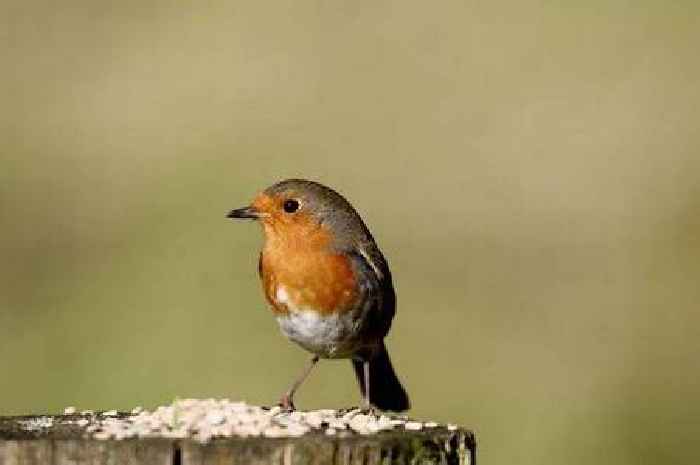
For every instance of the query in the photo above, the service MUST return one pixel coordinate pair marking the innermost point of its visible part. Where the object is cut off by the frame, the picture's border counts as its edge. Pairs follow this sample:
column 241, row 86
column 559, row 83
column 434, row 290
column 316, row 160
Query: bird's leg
column 367, row 406
column 287, row 400
column 365, row 368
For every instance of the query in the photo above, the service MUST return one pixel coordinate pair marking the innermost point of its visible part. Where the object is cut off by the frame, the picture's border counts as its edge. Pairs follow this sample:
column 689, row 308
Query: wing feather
column 377, row 292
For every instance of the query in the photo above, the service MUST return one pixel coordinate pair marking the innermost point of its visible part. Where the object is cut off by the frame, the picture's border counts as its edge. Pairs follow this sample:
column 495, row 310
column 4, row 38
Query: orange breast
column 304, row 275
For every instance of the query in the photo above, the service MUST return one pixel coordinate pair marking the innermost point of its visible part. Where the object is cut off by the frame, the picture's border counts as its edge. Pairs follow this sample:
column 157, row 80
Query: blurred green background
column 530, row 169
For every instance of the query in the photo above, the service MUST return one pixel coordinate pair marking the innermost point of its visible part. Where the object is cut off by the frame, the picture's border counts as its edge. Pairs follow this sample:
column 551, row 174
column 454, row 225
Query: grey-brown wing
column 376, row 289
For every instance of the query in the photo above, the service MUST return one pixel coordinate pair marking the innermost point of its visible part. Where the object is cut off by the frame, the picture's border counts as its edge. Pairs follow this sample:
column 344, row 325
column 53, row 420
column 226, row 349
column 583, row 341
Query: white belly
column 318, row 334
column 329, row 336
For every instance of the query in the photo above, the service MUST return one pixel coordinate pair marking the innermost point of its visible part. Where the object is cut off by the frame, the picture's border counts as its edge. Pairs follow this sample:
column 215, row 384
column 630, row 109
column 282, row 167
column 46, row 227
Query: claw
column 286, row 403
column 370, row 410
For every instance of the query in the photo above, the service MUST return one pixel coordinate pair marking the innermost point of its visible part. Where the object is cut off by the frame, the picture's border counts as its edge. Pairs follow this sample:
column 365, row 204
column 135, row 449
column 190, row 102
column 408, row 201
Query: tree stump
column 120, row 438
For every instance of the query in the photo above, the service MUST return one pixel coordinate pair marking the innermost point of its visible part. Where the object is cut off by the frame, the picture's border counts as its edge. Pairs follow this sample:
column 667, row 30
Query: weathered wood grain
column 22, row 442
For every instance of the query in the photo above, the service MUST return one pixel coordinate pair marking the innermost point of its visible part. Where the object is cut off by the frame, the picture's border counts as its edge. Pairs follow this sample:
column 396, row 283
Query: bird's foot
column 369, row 409
column 286, row 403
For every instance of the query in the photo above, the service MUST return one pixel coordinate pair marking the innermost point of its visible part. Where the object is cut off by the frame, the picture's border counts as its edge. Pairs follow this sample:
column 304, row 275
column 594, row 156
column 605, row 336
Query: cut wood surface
column 216, row 432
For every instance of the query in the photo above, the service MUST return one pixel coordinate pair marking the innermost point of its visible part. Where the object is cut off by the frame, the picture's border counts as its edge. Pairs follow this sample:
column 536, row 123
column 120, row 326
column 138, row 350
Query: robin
column 328, row 285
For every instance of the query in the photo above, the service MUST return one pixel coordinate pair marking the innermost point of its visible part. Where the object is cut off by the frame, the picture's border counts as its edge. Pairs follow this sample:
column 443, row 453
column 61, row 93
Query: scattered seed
column 204, row 420
column 413, row 425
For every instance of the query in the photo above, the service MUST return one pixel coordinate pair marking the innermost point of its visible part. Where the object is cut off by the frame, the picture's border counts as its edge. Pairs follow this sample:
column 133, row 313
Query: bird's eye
column 290, row 205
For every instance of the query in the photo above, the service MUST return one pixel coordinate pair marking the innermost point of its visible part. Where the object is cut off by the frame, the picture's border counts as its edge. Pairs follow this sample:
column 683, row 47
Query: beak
column 244, row 213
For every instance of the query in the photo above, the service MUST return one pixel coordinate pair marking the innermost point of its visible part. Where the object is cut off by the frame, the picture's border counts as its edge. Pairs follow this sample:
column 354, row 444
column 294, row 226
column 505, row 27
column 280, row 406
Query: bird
column 328, row 285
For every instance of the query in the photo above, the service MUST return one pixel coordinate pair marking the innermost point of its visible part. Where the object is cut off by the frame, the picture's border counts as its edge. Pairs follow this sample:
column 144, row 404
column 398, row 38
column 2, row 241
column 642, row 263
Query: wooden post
column 65, row 440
